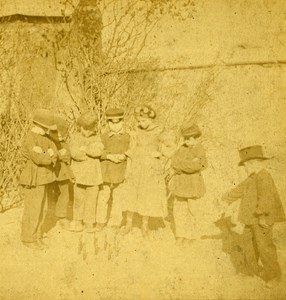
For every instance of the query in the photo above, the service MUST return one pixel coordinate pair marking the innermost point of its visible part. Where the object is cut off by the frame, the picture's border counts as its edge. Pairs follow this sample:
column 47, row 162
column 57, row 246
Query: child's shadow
column 232, row 244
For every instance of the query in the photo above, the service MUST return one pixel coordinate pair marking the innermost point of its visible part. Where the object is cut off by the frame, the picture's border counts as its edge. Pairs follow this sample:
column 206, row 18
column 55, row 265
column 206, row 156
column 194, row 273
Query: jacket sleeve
column 76, row 153
column 104, row 154
column 234, row 194
column 189, row 163
column 265, row 193
column 41, row 159
column 67, row 156
column 95, row 149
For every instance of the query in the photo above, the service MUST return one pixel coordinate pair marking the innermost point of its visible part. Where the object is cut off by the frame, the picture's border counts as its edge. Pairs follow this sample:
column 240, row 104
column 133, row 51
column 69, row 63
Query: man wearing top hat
column 113, row 167
column 260, row 208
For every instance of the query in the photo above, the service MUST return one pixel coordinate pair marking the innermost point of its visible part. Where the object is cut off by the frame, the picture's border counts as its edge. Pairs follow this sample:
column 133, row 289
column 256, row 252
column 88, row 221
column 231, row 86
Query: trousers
column 35, row 208
column 110, row 197
column 85, row 201
column 63, row 198
column 184, row 212
column 257, row 243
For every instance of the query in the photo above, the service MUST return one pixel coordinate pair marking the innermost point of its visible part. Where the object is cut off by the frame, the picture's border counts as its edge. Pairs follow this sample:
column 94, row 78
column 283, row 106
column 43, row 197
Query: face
column 253, row 166
column 190, row 141
column 144, row 122
column 86, row 132
column 115, row 127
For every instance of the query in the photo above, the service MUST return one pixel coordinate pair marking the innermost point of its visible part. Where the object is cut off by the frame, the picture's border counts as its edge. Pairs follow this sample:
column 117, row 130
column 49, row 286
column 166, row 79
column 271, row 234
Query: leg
column 250, row 252
column 90, row 204
column 267, row 252
column 63, row 199
column 145, row 226
column 33, row 215
column 128, row 226
column 78, row 207
column 102, row 205
column 181, row 216
column 116, row 208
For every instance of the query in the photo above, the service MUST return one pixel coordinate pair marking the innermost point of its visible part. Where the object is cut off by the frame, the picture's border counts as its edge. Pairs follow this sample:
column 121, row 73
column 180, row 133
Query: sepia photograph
column 143, row 149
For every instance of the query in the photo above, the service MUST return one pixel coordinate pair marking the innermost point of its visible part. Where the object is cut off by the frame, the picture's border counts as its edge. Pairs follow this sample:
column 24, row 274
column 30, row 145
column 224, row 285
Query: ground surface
column 154, row 269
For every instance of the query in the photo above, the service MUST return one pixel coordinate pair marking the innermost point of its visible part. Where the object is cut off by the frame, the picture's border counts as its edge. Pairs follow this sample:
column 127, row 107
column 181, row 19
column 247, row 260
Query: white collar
column 111, row 133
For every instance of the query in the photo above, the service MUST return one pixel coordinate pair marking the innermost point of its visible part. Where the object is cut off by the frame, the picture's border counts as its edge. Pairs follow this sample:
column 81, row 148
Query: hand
column 262, row 221
column 113, row 157
column 83, row 148
column 51, row 152
column 63, row 151
column 37, row 149
column 156, row 154
column 121, row 157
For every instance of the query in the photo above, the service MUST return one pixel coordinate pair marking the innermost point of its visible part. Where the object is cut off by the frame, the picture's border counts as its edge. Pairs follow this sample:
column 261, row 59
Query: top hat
column 189, row 129
column 44, row 118
column 115, row 115
column 251, row 152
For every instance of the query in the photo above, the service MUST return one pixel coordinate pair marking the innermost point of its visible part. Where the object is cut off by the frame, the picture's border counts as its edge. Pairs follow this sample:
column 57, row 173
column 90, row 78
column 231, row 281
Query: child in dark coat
column 63, row 172
column 40, row 154
column 260, row 208
column 86, row 149
column 113, row 167
column 187, row 184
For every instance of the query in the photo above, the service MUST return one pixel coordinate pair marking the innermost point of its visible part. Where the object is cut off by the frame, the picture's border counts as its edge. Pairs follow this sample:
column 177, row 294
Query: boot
column 75, row 226
column 145, row 227
column 34, row 245
column 99, row 227
column 89, row 228
column 64, row 223
column 128, row 227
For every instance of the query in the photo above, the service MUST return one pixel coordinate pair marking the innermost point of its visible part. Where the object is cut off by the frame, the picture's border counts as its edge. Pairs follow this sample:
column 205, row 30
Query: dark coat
column 63, row 167
column 39, row 168
column 259, row 196
column 114, row 144
column 187, row 163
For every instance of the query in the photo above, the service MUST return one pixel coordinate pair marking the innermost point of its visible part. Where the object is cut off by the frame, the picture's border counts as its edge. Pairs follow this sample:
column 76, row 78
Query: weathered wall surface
column 245, row 104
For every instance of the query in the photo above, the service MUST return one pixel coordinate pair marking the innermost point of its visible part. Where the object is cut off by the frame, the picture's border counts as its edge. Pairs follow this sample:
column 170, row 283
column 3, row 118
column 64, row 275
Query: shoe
column 42, row 244
column 33, row 245
column 273, row 283
column 64, row 223
column 76, row 226
column 89, row 228
column 99, row 227
column 126, row 229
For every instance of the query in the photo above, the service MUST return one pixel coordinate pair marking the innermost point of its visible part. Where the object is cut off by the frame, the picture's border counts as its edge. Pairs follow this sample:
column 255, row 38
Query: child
column 86, row 149
column 63, row 172
column 260, row 208
column 144, row 189
column 40, row 154
column 187, row 184
column 113, row 166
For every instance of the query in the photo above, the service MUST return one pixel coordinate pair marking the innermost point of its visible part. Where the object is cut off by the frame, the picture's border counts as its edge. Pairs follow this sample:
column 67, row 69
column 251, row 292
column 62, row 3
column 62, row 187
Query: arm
column 77, row 153
column 65, row 154
column 95, row 149
column 234, row 194
column 189, row 163
column 42, row 158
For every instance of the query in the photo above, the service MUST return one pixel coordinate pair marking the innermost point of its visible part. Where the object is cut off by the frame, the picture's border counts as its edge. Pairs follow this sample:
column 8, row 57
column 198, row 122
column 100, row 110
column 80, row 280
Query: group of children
column 118, row 172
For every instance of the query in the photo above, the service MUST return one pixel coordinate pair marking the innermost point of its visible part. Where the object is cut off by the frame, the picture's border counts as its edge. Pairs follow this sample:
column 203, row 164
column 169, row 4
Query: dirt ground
column 139, row 269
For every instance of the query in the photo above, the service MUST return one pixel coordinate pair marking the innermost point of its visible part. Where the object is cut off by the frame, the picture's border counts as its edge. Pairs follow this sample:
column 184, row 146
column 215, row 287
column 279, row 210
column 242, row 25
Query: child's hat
column 114, row 114
column 88, row 121
column 189, row 129
column 251, row 152
column 44, row 118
